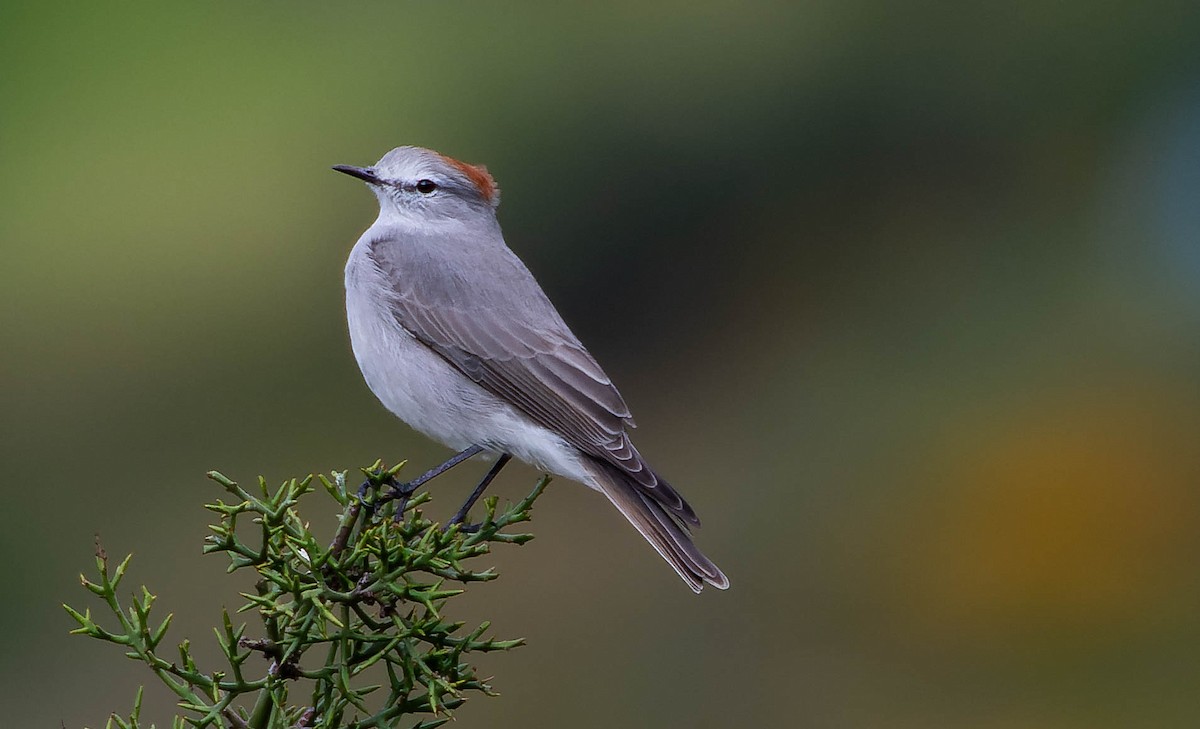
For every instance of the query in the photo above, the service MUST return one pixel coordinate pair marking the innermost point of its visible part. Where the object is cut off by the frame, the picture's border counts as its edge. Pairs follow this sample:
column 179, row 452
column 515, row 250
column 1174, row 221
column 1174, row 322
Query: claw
column 362, row 497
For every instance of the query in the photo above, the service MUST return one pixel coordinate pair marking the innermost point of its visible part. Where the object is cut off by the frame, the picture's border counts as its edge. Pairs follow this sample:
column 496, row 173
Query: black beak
column 366, row 174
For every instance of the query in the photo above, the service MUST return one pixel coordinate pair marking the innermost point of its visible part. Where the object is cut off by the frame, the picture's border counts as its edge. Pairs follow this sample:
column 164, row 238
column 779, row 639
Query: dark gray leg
column 436, row 471
column 402, row 491
column 491, row 474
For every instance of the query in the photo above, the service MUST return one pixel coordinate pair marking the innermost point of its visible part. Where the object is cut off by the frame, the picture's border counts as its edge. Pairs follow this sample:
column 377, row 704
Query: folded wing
column 511, row 341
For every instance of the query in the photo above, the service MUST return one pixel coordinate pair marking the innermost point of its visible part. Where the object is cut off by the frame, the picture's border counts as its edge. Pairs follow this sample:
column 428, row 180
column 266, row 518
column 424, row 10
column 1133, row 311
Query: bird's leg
column 402, row 491
column 491, row 474
column 436, row 471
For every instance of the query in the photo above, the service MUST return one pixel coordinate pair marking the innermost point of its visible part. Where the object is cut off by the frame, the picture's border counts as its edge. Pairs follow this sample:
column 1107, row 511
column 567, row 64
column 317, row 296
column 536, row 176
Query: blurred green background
column 905, row 297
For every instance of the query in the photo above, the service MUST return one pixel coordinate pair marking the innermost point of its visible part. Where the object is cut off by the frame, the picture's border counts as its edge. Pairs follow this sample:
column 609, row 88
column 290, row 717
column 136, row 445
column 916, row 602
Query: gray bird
column 455, row 337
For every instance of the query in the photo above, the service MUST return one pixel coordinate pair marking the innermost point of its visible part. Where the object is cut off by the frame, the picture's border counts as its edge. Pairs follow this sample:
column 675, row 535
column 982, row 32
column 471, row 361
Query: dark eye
column 426, row 186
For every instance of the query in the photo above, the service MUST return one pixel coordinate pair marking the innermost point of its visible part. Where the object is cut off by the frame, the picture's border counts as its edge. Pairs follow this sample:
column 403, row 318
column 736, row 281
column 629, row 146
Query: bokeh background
column 905, row 296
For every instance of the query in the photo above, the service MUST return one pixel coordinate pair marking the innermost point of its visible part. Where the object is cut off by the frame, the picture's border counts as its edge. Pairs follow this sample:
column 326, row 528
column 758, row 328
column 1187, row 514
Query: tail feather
column 660, row 527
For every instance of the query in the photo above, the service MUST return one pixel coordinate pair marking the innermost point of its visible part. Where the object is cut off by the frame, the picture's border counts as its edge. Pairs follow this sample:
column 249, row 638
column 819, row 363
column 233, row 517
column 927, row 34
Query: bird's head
column 413, row 182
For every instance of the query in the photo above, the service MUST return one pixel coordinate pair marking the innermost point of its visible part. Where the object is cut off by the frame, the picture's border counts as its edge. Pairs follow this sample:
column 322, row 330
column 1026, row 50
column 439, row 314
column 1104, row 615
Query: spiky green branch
column 356, row 626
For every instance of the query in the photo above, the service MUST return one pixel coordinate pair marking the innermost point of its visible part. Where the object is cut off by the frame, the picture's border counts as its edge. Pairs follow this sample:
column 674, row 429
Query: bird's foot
column 397, row 491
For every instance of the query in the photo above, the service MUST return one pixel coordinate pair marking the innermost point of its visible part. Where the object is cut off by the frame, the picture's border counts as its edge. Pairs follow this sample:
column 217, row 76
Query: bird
column 455, row 337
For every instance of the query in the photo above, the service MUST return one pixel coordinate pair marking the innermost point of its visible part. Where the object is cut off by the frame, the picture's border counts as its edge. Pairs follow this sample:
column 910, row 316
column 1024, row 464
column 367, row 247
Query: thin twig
column 236, row 721
column 343, row 533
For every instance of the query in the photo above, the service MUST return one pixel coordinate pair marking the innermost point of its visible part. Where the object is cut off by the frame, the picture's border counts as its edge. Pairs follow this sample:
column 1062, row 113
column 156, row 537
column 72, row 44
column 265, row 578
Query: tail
column 666, row 532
